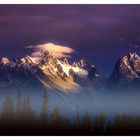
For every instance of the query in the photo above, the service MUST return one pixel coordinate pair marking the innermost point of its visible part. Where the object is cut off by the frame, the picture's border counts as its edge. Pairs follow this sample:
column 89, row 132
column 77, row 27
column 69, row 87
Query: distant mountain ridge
column 126, row 71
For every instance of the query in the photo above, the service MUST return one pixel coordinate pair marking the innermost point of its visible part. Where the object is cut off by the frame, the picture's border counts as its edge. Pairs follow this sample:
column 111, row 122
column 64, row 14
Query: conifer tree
column 18, row 106
column 8, row 110
column 56, row 119
column 86, row 122
column 99, row 124
column 44, row 110
column 78, row 121
column 27, row 112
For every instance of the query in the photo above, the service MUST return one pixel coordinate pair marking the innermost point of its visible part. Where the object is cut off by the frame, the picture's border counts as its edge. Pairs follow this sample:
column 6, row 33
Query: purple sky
column 100, row 33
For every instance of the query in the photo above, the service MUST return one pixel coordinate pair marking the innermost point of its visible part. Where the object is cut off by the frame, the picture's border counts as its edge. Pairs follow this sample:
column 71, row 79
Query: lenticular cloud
column 56, row 50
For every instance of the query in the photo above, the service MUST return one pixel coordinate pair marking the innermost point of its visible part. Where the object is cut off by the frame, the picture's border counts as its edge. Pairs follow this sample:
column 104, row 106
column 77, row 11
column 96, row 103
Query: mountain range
column 46, row 72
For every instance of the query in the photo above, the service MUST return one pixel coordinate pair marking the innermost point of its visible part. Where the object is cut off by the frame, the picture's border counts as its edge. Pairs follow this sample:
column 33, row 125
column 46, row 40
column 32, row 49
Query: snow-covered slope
column 43, row 70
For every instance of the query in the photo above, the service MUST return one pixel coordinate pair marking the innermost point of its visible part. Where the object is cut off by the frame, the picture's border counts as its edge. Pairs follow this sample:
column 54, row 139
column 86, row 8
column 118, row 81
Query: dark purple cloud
column 93, row 30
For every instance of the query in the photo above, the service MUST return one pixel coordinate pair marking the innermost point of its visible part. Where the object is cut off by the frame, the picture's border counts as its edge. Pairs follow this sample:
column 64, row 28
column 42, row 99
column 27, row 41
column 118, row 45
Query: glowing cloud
column 56, row 50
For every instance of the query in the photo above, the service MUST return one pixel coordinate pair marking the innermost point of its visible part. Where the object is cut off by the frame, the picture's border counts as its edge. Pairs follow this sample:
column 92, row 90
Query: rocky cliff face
column 46, row 71
column 126, row 71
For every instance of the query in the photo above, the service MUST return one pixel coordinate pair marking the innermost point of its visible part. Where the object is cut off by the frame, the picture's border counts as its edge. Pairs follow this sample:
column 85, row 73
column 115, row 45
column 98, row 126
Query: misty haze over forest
column 69, row 70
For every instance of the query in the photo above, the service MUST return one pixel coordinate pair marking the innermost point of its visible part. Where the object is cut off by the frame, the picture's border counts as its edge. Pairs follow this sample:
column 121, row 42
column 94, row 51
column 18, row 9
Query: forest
column 22, row 120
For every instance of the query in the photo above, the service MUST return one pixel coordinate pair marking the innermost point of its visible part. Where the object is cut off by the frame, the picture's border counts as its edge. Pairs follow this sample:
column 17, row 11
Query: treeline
column 20, row 119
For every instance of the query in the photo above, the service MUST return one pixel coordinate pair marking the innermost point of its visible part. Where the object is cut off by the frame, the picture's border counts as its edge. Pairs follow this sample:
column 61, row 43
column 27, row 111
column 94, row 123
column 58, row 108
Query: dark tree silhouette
column 18, row 107
column 75, row 127
column 86, row 123
column 55, row 115
column 117, row 125
column 78, row 120
column 99, row 124
column 8, row 111
column 123, row 124
column 22, row 120
column 109, row 128
column 56, row 120
column 44, row 110
column 28, row 114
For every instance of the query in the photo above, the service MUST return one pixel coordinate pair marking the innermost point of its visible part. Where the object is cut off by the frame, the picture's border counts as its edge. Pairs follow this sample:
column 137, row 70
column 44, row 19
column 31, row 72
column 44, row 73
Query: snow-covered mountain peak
column 132, row 55
column 47, row 70
column 127, row 69
column 66, row 61
column 47, row 61
column 28, row 59
column 76, row 69
column 5, row 61
column 80, row 63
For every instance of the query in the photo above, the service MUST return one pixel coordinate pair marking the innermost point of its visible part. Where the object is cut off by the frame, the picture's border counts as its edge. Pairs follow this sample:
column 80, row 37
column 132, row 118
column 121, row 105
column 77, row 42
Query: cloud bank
column 56, row 50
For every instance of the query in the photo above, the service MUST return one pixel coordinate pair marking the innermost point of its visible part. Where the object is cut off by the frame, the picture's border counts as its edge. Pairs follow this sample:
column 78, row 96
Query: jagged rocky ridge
column 126, row 72
column 44, row 71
